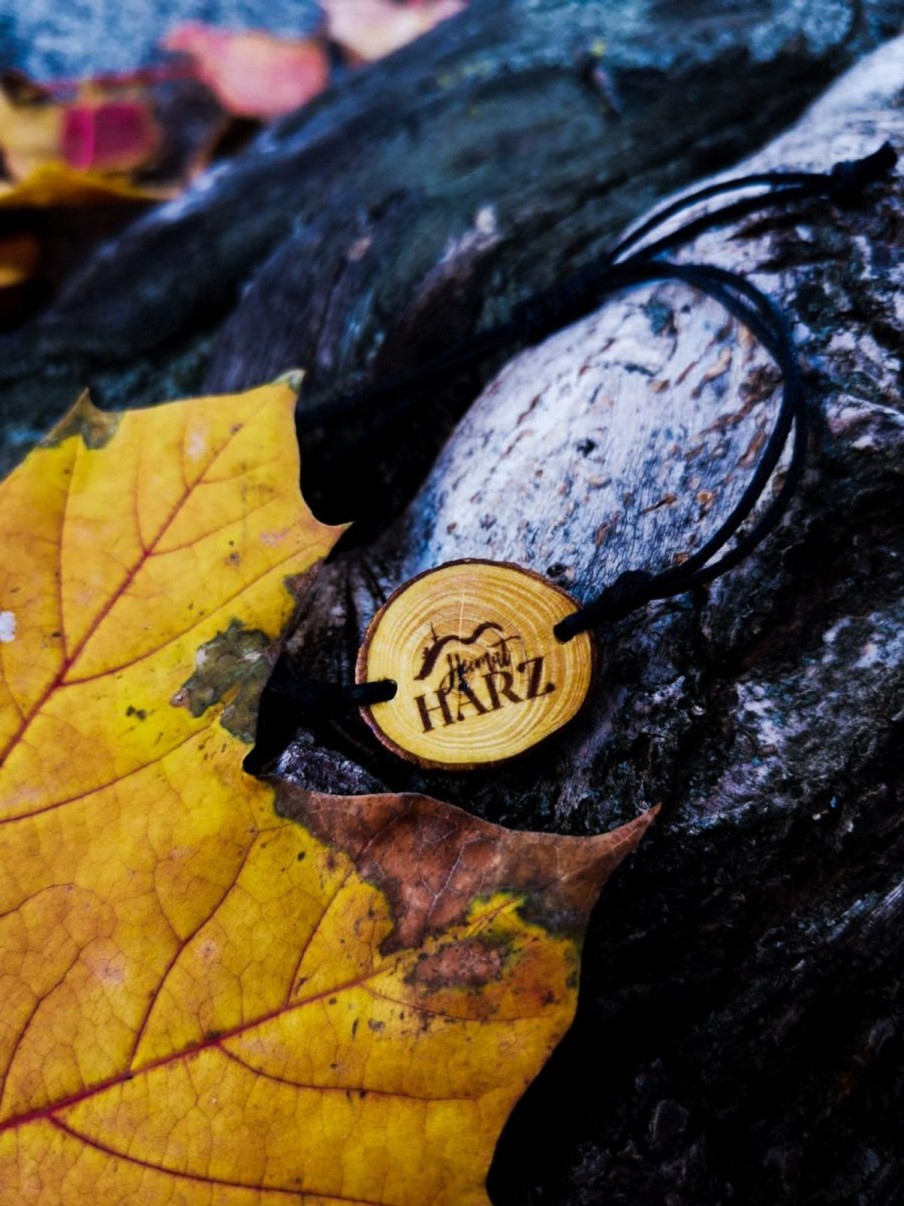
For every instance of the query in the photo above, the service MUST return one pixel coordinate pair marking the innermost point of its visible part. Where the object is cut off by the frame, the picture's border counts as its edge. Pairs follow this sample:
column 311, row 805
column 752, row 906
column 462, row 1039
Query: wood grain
column 481, row 676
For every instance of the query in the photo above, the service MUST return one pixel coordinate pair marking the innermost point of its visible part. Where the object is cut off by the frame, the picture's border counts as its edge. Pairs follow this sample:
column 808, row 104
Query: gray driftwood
column 740, row 1031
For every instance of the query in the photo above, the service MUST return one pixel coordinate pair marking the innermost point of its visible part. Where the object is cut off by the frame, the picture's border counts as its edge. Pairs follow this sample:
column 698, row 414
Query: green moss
column 231, row 668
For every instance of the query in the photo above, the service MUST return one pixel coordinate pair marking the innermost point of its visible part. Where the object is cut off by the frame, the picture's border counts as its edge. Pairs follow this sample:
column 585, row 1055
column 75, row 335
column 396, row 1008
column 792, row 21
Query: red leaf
column 114, row 136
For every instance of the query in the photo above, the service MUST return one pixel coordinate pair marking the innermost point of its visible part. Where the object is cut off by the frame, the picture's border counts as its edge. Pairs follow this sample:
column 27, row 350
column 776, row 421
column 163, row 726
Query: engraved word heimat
column 466, row 684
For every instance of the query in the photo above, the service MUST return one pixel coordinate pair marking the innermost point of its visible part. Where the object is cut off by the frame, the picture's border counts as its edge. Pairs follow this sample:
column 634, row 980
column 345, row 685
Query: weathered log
column 739, row 1037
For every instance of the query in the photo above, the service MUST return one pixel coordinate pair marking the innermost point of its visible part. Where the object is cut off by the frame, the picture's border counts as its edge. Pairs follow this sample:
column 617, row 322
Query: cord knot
column 289, row 703
column 849, row 178
column 630, row 590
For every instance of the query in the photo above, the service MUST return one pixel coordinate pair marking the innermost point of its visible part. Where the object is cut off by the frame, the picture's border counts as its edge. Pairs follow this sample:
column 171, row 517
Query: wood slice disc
column 480, row 675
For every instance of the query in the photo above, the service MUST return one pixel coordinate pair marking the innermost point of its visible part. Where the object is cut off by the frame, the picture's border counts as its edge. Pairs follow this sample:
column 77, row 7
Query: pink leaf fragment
column 113, row 136
column 370, row 29
column 253, row 73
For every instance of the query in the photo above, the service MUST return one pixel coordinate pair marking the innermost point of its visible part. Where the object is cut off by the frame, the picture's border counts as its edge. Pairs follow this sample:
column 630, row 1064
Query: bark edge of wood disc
column 481, row 678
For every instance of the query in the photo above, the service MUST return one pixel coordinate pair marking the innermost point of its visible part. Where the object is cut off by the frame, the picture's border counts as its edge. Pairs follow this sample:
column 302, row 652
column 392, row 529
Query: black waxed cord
column 567, row 301
column 843, row 183
column 766, row 322
column 290, row 702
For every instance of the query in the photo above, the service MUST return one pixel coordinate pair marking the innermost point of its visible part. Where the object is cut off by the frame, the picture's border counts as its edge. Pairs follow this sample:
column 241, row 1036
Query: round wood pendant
column 480, row 675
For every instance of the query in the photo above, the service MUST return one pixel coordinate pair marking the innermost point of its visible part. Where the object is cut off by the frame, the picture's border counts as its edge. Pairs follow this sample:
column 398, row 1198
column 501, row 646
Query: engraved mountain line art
column 431, row 652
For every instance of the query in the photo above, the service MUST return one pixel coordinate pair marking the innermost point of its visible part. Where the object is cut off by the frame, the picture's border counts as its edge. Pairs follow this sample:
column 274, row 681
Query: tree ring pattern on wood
column 480, row 675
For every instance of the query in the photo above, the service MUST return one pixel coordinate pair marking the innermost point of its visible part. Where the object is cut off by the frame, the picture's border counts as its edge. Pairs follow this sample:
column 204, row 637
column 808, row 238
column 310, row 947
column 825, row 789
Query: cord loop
column 629, row 262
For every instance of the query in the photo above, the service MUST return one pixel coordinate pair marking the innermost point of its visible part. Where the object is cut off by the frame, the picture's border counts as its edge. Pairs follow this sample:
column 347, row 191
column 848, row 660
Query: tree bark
column 418, row 200
column 739, row 1033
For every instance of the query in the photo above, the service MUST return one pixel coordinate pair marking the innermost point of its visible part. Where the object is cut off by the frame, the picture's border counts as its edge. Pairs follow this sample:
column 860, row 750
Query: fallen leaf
column 19, row 259
column 105, row 132
column 30, row 128
column 253, row 73
column 370, row 29
column 205, row 1002
column 58, row 186
column 117, row 143
column 109, row 136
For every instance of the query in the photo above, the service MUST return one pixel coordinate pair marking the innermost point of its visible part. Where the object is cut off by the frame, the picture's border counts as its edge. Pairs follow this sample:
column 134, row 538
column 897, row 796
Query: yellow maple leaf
column 205, row 1002
column 29, row 133
column 58, row 186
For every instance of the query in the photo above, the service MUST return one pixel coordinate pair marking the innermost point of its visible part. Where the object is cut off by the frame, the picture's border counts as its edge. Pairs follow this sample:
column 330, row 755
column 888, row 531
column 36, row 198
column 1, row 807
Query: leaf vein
column 204, row 1179
column 353, row 1089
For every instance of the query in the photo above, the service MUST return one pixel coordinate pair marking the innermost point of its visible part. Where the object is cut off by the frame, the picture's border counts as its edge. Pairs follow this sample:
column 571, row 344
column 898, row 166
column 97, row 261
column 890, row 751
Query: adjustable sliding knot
column 630, row 590
column 850, row 177
column 290, row 703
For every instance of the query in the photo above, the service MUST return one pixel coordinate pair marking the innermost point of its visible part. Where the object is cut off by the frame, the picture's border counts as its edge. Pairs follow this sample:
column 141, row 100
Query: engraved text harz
column 477, row 684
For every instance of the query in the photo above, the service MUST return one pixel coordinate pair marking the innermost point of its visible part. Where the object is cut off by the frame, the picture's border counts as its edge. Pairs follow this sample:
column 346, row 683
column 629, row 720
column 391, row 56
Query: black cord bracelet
column 473, row 638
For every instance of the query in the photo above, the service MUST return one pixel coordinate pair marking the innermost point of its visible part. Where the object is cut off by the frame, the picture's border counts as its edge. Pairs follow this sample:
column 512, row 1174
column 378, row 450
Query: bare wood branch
column 746, row 971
